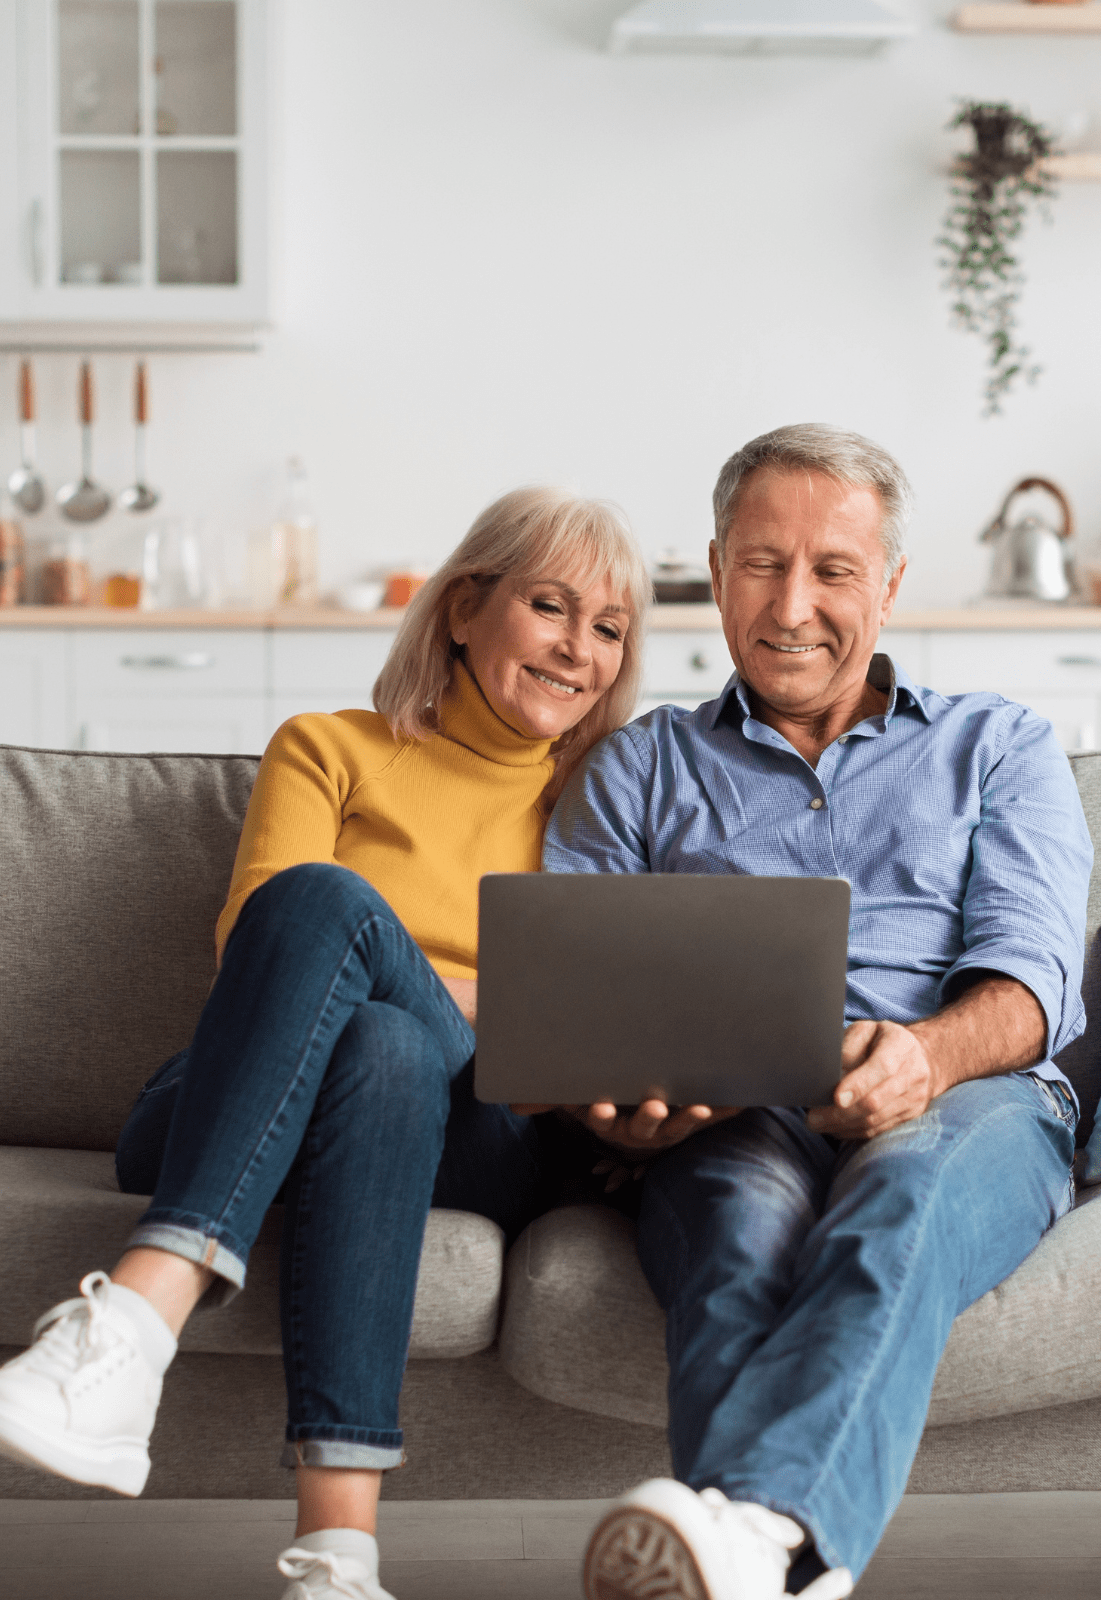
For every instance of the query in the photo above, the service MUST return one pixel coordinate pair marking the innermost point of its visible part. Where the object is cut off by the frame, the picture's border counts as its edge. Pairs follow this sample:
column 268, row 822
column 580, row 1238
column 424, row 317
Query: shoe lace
column 74, row 1329
column 767, row 1528
column 343, row 1574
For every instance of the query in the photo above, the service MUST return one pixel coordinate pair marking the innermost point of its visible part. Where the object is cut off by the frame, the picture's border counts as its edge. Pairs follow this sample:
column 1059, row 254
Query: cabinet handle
column 699, row 662
column 187, row 661
column 1078, row 661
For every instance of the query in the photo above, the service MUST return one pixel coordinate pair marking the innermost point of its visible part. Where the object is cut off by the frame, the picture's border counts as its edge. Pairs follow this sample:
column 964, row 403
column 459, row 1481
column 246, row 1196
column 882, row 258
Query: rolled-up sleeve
column 599, row 823
column 1024, row 910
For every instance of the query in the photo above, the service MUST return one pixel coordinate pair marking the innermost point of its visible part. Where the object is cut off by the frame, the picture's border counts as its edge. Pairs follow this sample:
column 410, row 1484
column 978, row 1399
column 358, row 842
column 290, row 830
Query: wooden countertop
column 663, row 619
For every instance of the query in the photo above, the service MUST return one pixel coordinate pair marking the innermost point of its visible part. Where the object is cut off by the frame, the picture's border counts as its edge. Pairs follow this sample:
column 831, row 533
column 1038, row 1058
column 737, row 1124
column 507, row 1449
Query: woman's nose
column 573, row 645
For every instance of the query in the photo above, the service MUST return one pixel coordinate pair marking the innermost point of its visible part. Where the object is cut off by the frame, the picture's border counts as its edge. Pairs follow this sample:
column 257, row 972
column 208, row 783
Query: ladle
column 85, row 501
column 139, row 496
column 25, row 486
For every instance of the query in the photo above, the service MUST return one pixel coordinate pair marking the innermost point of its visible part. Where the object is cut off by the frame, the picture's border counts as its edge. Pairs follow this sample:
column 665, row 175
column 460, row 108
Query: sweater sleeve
column 295, row 812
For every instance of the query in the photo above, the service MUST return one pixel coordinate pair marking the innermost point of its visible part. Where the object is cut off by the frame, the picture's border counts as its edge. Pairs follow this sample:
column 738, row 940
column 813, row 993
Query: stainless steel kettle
column 1032, row 559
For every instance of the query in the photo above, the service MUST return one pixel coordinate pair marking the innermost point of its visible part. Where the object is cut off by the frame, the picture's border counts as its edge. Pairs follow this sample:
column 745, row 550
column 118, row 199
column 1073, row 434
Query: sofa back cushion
column 113, row 869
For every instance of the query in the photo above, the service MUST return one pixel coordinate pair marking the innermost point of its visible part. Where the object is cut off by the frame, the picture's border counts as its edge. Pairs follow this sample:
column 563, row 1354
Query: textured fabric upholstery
column 1081, row 1061
column 113, row 869
column 576, row 1300
column 61, row 1215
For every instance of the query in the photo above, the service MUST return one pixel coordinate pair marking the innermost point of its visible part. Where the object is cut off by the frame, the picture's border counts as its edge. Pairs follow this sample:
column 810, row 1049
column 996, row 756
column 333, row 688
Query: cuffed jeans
column 809, row 1288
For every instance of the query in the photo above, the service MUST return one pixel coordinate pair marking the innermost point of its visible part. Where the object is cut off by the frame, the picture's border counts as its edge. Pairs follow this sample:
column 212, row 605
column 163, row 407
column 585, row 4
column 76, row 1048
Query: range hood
column 759, row 27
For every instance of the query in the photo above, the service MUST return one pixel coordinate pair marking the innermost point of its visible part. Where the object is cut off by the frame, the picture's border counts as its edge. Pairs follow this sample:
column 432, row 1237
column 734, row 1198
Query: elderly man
column 811, row 1263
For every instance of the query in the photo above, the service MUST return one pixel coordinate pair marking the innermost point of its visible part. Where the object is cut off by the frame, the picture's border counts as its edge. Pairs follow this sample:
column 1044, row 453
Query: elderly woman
column 332, row 1064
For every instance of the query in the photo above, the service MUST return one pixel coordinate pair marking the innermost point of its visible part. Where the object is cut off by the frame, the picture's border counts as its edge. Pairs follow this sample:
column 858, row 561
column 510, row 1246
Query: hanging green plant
column 992, row 188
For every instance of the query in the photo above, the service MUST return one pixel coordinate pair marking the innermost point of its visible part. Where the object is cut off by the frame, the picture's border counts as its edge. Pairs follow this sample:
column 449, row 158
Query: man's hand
column 648, row 1128
column 891, row 1072
column 887, row 1079
column 464, row 992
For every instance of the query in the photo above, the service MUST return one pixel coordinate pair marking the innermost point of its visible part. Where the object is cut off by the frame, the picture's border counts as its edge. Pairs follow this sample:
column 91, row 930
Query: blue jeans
column 327, row 1065
column 809, row 1287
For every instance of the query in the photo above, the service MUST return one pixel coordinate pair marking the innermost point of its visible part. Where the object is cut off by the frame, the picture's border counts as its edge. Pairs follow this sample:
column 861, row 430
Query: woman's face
column 542, row 650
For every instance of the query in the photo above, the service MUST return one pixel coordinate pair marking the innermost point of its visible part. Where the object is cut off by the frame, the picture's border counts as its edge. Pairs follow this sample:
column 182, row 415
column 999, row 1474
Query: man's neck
column 812, row 731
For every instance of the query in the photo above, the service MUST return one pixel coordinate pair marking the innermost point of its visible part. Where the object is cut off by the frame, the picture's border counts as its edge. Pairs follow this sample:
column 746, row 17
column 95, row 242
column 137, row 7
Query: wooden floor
column 939, row 1547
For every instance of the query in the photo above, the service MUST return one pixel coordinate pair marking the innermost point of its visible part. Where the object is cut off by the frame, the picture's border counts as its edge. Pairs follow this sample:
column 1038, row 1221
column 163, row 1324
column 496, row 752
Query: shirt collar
column 732, row 704
column 468, row 719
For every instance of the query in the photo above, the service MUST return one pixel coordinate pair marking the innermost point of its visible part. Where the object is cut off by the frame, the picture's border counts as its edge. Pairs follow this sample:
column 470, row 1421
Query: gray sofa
column 540, row 1376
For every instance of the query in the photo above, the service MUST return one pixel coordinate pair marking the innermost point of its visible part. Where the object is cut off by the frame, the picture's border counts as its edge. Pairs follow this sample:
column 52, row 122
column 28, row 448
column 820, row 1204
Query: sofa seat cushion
column 61, row 1215
column 581, row 1326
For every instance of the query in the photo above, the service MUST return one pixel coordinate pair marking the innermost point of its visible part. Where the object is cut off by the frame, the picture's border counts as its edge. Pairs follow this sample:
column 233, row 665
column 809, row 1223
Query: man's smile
column 791, row 649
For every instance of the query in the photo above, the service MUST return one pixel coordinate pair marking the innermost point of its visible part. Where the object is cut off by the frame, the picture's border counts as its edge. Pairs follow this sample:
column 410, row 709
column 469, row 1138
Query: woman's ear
column 463, row 604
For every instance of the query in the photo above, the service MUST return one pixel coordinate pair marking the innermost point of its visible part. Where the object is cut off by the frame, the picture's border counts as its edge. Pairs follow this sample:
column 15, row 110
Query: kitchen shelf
column 1079, row 166
column 1023, row 17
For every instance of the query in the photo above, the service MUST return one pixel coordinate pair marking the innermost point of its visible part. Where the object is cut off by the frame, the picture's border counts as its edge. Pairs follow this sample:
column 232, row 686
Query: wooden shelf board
column 1021, row 16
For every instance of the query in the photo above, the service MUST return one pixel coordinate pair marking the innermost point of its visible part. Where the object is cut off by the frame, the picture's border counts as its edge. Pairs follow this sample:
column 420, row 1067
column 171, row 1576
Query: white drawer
column 690, row 665
column 168, row 662
column 232, row 725
column 1060, row 662
column 329, row 661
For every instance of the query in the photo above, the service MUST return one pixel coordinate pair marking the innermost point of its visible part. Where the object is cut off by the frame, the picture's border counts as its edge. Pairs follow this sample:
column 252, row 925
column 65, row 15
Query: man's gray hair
column 816, row 447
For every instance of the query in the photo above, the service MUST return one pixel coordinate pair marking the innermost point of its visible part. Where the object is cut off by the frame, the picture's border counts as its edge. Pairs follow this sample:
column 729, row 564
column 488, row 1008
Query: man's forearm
column 996, row 1025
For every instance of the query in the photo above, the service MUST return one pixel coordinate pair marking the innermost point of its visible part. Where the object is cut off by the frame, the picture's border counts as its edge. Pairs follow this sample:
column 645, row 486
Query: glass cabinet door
column 142, row 184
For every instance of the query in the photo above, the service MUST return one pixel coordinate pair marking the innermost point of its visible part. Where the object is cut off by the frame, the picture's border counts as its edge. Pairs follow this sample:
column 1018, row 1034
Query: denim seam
column 255, row 1156
column 825, row 1550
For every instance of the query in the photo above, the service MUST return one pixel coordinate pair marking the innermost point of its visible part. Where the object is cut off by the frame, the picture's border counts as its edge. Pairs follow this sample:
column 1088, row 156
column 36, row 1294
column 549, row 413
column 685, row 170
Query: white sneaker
column 663, row 1541
column 347, row 1572
column 82, row 1399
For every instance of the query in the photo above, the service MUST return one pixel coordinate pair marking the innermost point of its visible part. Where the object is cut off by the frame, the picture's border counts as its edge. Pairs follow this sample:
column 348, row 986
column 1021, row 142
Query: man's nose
column 793, row 601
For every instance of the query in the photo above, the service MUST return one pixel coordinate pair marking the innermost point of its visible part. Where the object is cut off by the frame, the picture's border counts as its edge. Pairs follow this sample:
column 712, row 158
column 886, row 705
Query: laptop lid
column 698, row 989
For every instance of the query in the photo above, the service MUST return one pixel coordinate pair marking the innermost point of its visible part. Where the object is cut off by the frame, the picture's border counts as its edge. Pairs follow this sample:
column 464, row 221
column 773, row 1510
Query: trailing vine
column 992, row 188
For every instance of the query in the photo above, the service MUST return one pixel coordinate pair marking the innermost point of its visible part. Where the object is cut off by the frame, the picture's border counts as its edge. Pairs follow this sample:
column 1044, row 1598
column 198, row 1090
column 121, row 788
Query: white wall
column 507, row 256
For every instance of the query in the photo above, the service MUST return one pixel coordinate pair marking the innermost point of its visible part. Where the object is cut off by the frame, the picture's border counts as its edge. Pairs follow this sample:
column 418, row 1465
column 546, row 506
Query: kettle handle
column 1065, row 532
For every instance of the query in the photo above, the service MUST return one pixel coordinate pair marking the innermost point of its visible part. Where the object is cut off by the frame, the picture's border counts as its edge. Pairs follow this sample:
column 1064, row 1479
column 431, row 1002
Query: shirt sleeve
column 1024, row 910
column 294, row 813
column 599, row 823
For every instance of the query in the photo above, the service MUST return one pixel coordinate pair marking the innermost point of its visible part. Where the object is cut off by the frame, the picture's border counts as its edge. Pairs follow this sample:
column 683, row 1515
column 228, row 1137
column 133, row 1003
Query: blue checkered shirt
column 955, row 819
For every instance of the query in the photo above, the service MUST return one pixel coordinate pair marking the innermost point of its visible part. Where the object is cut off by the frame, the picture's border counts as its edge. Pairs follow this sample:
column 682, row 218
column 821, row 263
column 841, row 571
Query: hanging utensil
column 1032, row 559
column 87, row 500
column 139, row 496
column 25, row 486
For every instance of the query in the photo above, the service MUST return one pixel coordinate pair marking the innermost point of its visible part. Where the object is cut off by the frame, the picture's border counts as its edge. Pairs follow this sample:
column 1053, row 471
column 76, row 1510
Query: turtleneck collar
column 467, row 718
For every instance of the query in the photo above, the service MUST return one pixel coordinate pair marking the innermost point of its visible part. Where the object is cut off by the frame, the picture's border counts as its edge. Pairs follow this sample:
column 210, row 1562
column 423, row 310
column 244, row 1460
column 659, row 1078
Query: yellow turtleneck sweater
column 421, row 821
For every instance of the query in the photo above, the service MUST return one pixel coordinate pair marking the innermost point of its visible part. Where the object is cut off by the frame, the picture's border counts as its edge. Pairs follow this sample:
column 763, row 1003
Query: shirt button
column 844, row 739
column 816, row 805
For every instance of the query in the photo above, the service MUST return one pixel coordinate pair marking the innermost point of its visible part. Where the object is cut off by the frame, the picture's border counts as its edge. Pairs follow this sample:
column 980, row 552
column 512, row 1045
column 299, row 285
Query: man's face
column 801, row 589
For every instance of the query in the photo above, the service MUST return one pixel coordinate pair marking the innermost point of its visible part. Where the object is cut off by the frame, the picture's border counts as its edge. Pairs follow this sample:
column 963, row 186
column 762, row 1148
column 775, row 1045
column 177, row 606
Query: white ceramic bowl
column 362, row 596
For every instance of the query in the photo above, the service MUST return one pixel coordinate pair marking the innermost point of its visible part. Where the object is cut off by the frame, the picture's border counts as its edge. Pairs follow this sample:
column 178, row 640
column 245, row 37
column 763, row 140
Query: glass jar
column 66, row 575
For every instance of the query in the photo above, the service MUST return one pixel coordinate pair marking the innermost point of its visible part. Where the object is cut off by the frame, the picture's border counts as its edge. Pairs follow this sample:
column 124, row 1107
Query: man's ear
column 716, row 563
column 890, row 593
column 461, row 607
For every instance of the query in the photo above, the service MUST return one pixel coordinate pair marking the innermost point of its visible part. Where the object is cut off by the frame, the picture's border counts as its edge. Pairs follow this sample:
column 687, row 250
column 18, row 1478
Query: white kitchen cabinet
column 1057, row 674
column 33, row 702
column 168, row 689
column 142, row 174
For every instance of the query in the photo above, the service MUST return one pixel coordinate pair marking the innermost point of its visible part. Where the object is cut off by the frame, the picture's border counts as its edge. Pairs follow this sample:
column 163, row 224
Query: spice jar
column 66, row 577
column 13, row 564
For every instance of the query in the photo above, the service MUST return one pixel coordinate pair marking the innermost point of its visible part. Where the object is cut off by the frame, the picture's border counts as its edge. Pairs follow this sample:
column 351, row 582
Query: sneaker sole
column 636, row 1554
column 117, row 1465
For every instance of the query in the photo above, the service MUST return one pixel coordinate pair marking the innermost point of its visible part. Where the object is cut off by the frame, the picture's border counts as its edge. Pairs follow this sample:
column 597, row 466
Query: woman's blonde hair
column 530, row 533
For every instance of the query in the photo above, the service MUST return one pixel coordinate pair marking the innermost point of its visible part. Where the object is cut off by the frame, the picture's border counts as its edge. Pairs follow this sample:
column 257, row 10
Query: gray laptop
column 712, row 990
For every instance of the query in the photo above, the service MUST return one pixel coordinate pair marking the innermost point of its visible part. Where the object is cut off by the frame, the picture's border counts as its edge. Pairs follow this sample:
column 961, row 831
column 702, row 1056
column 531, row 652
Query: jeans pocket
column 1059, row 1100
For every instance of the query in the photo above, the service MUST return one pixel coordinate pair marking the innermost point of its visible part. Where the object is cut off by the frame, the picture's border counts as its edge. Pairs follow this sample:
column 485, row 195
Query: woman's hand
column 648, row 1128
column 464, row 992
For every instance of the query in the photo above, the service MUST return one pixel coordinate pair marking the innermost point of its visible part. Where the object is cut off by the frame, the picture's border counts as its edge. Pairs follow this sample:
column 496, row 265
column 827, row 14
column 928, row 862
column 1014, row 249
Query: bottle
column 282, row 559
column 13, row 557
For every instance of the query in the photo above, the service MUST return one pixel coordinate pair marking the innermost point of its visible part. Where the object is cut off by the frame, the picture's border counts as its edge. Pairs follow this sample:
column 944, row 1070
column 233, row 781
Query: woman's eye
column 607, row 631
